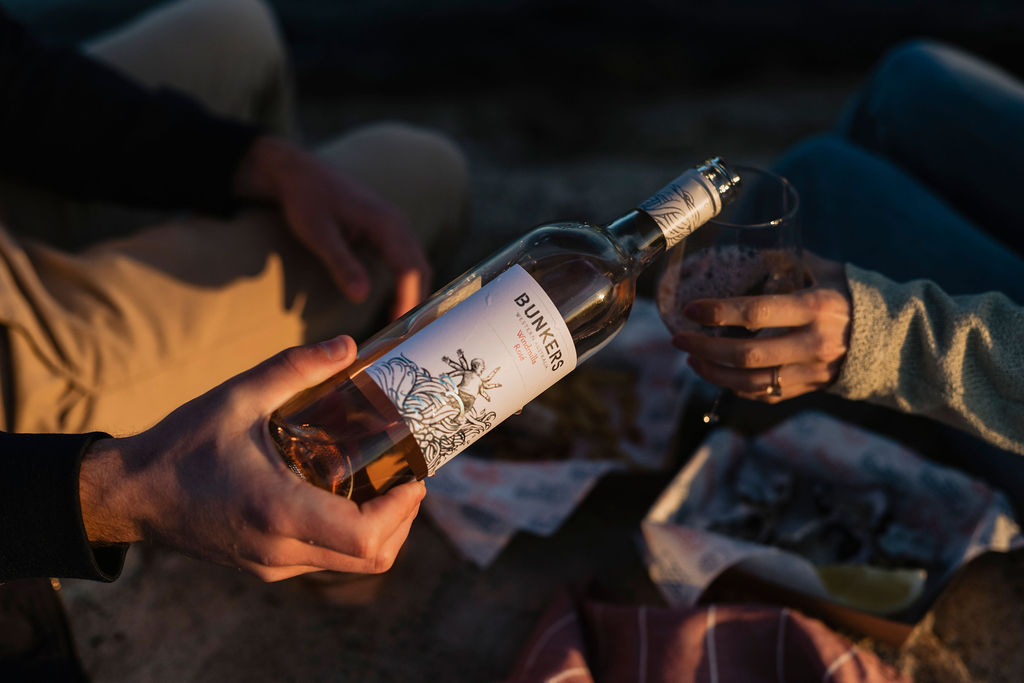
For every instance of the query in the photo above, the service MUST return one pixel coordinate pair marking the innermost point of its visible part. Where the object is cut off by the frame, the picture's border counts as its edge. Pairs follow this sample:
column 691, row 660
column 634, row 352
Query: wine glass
column 752, row 247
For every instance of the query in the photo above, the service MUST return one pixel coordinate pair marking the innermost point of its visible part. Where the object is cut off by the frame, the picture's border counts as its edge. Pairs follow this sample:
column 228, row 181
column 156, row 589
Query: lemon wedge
column 872, row 589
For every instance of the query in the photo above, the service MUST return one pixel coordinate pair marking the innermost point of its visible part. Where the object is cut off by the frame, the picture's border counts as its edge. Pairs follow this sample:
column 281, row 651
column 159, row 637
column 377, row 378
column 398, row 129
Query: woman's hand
column 805, row 338
column 209, row 482
column 332, row 213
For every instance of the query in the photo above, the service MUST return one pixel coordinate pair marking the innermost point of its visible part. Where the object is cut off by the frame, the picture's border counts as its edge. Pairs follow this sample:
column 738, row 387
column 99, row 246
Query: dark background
column 578, row 43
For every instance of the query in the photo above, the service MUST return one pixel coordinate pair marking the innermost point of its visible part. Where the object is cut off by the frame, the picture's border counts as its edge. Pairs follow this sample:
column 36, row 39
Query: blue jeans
column 922, row 179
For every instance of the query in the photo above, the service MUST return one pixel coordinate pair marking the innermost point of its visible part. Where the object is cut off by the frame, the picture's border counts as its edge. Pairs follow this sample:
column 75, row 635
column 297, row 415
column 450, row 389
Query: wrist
column 110, row 507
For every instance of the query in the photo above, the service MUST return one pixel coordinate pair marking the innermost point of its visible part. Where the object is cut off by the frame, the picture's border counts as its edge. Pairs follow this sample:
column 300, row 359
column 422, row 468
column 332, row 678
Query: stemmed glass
column 752, row 247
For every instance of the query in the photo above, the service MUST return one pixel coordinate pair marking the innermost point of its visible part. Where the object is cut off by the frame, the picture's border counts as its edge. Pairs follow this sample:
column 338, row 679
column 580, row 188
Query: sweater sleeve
column 958, row 359
column 71, row 124
column 41, row 527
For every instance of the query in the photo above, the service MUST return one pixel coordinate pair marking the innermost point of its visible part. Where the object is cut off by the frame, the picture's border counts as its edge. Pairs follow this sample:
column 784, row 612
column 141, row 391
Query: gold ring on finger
column 774, row 388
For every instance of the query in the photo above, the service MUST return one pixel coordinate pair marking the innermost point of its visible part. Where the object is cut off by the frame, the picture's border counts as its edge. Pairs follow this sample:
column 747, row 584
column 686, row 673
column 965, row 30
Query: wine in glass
column 751, row 248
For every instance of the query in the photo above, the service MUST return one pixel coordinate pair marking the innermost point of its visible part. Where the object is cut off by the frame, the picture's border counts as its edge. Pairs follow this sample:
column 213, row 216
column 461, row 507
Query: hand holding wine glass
column 812, row 328
column 751, row 250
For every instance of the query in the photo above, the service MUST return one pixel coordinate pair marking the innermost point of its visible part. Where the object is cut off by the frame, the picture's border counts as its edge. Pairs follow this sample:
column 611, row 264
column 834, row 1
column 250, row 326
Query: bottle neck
column 670, row 215
column 638, row 235
column 688, row 202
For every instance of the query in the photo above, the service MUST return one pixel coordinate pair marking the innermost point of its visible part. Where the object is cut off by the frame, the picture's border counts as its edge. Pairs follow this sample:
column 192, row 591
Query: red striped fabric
column 592, row 641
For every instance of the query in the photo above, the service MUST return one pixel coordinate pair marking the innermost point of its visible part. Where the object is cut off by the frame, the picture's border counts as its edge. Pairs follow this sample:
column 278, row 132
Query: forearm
column 955, row 359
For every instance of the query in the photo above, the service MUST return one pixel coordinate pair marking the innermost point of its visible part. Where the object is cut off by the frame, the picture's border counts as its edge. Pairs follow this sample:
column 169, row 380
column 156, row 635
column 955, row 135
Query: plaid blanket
column 579, row 641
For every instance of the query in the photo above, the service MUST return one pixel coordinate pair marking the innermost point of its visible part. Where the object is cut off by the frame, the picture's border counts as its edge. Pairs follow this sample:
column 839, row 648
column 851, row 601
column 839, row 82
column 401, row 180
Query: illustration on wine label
column 517, row 342
column 441, row 411
column 472, row 382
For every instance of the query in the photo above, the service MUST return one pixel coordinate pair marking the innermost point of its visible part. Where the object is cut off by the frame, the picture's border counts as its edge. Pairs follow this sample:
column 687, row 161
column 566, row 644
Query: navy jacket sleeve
column 72, row 124
column 41, row 527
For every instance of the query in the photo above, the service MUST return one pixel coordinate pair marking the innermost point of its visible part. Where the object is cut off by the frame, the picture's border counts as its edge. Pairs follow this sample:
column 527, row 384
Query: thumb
column 283, row 375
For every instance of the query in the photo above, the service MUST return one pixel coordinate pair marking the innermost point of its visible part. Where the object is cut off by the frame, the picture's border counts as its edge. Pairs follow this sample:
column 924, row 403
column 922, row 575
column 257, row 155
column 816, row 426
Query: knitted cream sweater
column 959, row 359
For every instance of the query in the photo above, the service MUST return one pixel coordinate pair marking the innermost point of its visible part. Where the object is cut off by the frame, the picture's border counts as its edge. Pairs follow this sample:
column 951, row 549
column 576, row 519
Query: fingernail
column 337, row 348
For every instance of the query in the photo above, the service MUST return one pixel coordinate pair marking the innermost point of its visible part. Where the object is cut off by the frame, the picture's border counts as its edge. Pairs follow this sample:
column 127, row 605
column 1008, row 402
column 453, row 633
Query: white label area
column 683, row 205
column 476, row 365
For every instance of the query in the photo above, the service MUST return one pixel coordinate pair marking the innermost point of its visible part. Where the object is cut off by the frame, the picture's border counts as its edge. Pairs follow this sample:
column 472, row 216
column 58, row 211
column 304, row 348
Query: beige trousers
column 115, row 336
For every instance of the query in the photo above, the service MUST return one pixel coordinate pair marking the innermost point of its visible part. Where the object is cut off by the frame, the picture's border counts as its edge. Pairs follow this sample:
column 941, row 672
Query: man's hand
column 332, row 214
column 807, row 334
column 208, row 481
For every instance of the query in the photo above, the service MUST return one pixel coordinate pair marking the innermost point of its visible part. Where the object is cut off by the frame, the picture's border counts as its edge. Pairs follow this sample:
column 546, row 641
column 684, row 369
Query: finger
column 280, row 573
column 388, row 233
column 410, row 290
column 271, row 574
column 323, row 237
column 404, row 256
column 339, row 525
column 756, row 312
column 794, row 380
column 762, row 352
column 347, row 271
column 292, row 557
column 280, row 377
column 739, row 380
column 393, row 545
column 308, row 554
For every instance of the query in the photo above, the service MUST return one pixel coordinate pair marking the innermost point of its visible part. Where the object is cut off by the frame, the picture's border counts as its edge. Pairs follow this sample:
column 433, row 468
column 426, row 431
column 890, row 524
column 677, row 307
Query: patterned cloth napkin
column 619, row 409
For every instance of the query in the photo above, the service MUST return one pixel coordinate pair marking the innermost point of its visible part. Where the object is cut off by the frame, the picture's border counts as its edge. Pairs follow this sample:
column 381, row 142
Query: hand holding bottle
column 805, row 357
column 208, row 481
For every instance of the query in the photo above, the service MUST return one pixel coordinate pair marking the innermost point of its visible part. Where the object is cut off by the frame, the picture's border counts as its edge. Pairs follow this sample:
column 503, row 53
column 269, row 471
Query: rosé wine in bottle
column 431, row 383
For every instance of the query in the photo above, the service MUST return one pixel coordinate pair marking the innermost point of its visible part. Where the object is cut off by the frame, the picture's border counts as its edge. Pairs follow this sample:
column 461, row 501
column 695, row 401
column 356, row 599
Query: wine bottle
column 434, row 381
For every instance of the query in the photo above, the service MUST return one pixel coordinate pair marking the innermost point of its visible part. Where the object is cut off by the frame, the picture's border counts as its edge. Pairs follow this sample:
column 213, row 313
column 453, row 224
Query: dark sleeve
column 76, row 126
column 41, row 527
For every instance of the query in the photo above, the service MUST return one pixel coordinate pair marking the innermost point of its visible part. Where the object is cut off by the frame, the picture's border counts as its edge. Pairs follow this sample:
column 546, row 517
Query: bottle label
column 476, row 365
column 683, row 205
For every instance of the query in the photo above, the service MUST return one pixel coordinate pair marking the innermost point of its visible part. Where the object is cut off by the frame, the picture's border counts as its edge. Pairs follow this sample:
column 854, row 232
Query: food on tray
column 827, row 522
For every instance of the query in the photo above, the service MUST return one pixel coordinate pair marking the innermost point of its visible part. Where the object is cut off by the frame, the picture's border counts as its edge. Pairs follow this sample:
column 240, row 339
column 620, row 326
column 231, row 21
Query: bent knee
column 247, row 29
column 417, row 146
column 423, row 171
column 250, row 24
column 914, row 76
column 915, row 58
